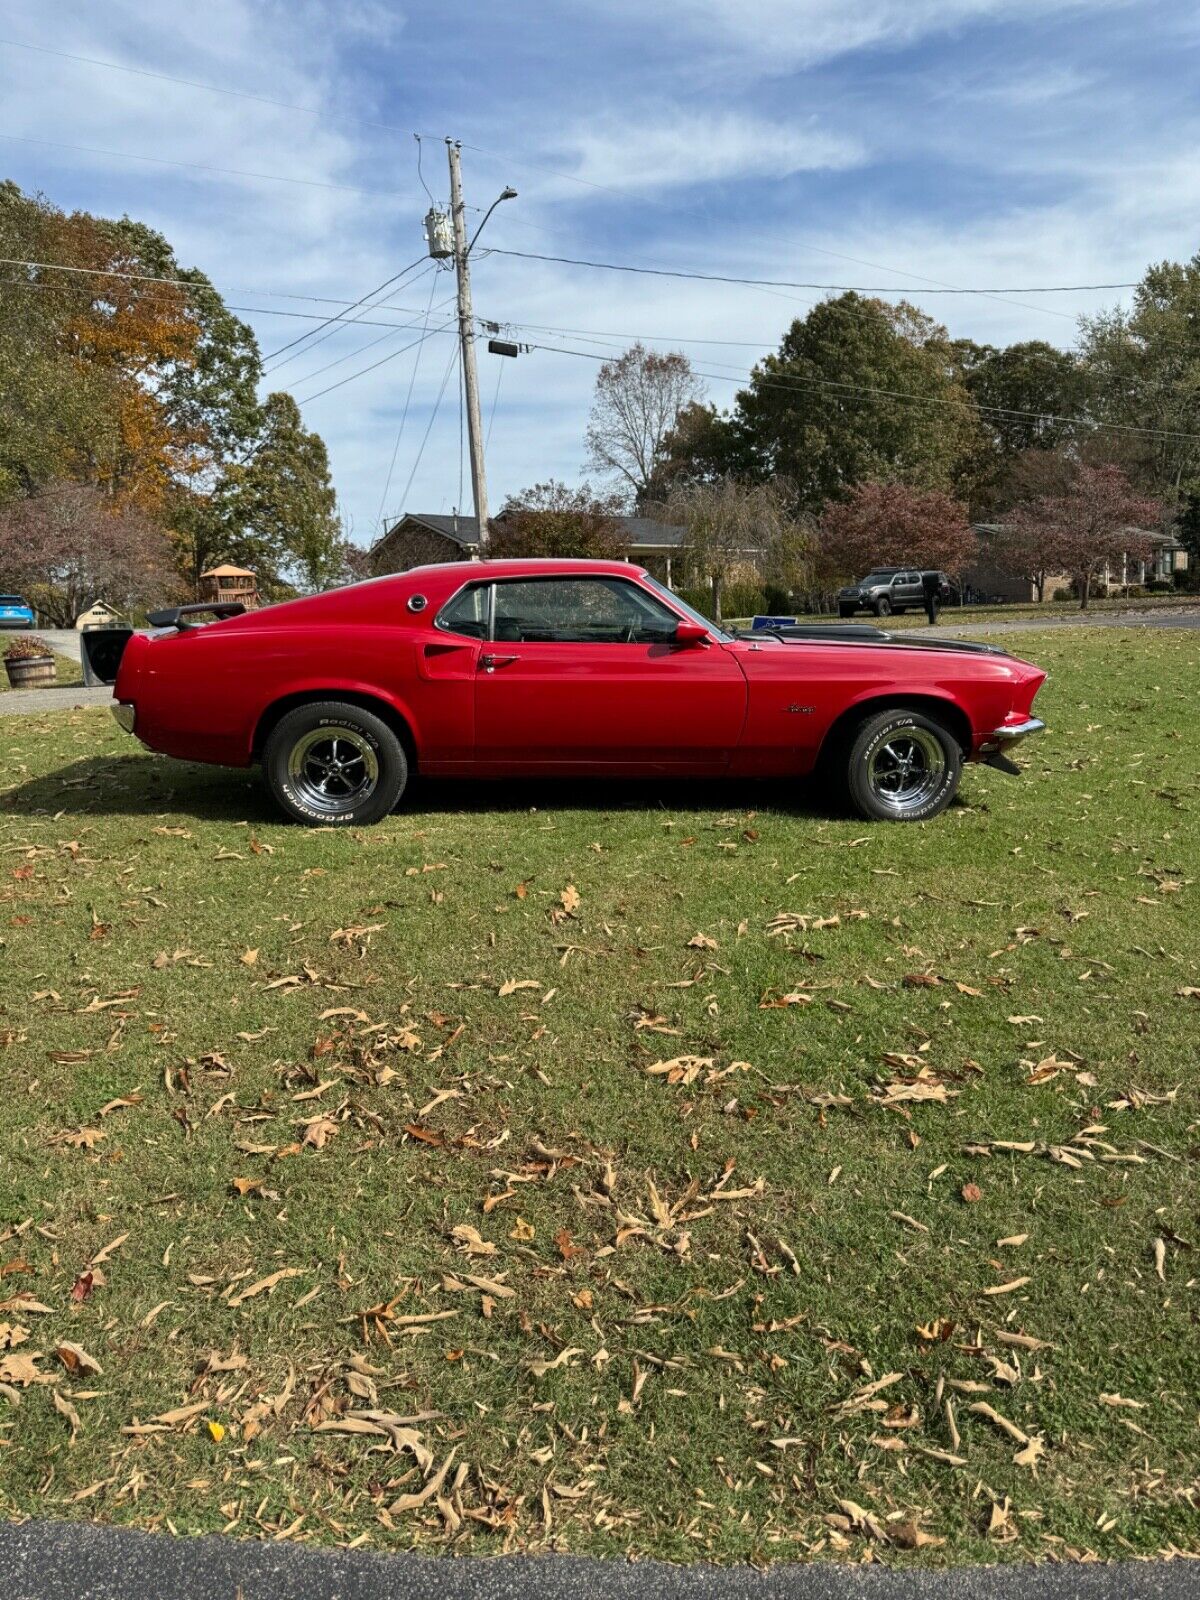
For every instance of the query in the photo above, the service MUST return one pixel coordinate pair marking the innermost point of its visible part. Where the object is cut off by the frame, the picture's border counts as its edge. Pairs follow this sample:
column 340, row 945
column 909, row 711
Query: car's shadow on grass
column 148, row 786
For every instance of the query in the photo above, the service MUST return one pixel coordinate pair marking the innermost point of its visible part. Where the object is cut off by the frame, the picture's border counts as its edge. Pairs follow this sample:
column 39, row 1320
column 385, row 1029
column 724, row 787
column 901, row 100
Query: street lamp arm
column 505, row 194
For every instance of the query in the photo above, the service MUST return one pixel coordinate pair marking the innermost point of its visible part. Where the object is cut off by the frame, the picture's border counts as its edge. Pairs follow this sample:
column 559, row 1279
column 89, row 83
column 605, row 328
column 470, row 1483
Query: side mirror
column 690, row 633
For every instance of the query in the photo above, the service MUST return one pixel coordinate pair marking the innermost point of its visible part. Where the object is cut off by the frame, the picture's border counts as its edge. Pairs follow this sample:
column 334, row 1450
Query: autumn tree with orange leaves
column 124, row 372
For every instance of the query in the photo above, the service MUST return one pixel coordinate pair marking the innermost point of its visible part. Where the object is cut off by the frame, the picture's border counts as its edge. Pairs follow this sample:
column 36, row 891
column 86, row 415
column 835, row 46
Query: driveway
column 1174, row 617
column 77, row 1561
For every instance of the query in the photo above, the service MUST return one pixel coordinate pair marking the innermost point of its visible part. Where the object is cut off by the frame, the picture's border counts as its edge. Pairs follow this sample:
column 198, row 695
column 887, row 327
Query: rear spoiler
column 101, row 649
column 173, row 616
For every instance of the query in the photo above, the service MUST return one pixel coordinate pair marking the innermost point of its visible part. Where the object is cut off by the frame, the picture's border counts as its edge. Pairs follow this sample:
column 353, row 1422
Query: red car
column 500, row 668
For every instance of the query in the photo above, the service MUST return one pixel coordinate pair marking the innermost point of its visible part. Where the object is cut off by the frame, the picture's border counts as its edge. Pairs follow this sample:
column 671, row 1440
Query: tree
column 1026, row 392
column 1093, row 526
column 278, row 511
column 638, row 399
column 1143, row 371
column 70, row 544
column 704, row 444
column 552, row 520
column 859, row 391
column 730, row 525
column 892, row 525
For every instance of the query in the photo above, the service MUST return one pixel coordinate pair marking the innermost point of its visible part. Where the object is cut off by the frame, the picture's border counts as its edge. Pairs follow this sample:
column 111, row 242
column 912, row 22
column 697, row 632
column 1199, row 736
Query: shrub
column 742, row 599
column 777, row 602
column 1063, row 594
column 27, row 647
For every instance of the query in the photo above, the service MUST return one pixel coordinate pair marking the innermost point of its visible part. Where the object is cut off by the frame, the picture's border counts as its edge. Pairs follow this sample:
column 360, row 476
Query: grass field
column 674, row 1170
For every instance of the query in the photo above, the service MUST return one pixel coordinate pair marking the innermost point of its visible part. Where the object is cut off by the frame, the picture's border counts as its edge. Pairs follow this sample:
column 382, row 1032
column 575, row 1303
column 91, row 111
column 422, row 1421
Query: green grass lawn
column 352, row 1161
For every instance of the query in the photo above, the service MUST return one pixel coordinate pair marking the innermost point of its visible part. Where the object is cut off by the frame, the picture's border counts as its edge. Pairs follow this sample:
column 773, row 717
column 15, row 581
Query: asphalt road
column 79, row 1561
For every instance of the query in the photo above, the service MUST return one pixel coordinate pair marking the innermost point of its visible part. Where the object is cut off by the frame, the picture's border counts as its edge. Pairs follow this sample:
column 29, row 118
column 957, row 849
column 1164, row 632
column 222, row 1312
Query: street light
column 507, row 193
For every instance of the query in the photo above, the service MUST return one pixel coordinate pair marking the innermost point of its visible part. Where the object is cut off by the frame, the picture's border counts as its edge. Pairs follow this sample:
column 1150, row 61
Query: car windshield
column 11, row 600
column 883, row 575
column 681, row 605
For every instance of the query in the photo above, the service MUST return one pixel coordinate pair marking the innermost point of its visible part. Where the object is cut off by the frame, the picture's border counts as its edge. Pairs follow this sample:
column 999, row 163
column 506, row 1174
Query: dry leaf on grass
column 67, row 1410
column 76, row 1359
column 265, row 1285
column 564, row 1358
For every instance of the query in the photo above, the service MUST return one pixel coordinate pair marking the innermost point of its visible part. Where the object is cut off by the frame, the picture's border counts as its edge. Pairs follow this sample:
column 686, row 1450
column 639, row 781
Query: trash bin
column 100, row 651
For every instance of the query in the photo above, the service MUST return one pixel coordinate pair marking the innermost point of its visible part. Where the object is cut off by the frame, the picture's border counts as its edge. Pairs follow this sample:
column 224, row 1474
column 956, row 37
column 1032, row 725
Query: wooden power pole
column 466, row 334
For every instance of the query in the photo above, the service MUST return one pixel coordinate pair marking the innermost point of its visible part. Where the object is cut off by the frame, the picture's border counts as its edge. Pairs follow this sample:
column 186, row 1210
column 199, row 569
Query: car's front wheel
column 334, row 765
column 903, row 767
column 883, row 607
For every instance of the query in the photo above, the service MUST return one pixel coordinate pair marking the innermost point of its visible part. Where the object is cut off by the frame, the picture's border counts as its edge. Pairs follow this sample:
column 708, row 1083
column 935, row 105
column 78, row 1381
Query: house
column 98, row 615
column 227, row 582
column 987, row 577
column 419, row 538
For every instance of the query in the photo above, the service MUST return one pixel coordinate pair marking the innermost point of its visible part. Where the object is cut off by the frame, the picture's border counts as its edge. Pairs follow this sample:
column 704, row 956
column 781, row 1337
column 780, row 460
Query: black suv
column 890, row 591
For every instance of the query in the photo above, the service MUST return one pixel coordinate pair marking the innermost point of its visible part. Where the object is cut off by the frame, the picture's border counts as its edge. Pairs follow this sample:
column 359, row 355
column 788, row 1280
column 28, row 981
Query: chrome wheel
column 906, row 770
column 333, row 770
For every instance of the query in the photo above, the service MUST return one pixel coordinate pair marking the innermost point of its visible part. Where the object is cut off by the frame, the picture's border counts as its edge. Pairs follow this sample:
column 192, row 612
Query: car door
column 583, row 672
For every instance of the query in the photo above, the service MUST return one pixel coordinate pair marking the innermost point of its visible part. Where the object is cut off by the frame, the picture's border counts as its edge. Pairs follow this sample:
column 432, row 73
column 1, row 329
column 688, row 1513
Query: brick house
column 987, row 578
column 419, row 538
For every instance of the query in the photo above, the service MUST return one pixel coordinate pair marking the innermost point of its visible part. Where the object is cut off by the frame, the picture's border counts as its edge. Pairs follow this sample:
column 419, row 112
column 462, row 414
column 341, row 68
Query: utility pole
column 466, row 334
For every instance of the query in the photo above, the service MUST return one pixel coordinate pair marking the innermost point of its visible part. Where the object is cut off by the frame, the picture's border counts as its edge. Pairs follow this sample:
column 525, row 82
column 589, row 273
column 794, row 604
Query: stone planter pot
column 32, row 672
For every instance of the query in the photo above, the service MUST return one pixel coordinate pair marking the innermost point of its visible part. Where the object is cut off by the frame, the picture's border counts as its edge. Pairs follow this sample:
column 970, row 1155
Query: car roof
column 531, row 566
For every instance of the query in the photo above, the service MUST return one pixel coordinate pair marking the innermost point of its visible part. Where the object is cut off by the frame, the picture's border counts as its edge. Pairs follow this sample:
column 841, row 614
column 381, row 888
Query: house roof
column 226, row 570
column 641, row 532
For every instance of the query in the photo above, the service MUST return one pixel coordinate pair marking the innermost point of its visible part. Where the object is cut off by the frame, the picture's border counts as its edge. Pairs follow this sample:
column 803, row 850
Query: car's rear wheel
column 883, row 607
column 903, row 767
column 334, row 765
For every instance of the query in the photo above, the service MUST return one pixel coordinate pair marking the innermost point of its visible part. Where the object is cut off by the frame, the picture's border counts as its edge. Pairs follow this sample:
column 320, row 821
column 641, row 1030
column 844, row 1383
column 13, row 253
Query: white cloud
column 662, row 148
column 782, row 34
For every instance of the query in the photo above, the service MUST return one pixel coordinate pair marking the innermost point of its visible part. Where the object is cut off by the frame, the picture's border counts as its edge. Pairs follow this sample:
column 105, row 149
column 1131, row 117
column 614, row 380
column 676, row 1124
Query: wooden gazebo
column 228, row 582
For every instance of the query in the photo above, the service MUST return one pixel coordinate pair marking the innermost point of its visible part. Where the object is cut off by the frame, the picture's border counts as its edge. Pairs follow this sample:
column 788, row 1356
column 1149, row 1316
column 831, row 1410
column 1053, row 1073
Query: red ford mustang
column 498, row 668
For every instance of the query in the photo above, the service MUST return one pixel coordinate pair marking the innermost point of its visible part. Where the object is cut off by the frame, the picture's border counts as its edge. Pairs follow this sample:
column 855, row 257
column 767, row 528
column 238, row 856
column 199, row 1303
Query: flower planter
column 31, row 672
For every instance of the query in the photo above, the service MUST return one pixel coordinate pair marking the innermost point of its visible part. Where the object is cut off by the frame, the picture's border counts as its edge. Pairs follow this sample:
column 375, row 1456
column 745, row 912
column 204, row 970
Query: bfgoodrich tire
column 883, row 608
column 903, row 767
column 334, row 765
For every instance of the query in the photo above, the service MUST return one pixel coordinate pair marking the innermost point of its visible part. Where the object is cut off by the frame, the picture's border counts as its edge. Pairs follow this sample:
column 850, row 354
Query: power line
column 185, row 283
column 787, row 283
column 198, row 166
column 900, row 394
column 488, row 155
column 359, row 349
column 274, row 311
column 364, row 370
column 412, row 378
column 495, row 397
column 455, row 355
column 362, row 299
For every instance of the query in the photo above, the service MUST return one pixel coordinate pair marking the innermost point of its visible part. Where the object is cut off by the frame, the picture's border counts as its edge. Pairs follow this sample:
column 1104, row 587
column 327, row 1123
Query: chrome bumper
column 1001, row 738
column 125, row 715
column 993, row 747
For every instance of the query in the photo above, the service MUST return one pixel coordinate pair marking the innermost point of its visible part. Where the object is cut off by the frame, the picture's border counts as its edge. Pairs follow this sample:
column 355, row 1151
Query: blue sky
column 898, row 144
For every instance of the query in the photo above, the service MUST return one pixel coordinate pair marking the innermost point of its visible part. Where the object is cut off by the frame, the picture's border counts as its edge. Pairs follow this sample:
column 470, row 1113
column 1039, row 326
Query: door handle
column 490, row 663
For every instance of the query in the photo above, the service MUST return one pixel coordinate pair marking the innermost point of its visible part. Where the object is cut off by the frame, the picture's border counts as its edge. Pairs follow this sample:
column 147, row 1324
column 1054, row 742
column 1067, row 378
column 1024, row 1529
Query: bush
column 1157, row 586
column 777, row 602
column 699, row 599
column 742, row 599
column 1063, row 594
column 27, row 647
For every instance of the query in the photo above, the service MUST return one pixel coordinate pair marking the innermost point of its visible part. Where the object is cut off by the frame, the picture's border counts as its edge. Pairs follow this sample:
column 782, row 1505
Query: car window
column 467, row 612
column 593, row 610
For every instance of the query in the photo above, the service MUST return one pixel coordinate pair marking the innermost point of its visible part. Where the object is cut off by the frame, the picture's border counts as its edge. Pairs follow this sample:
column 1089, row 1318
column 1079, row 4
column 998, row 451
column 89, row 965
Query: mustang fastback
column 495, row 669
